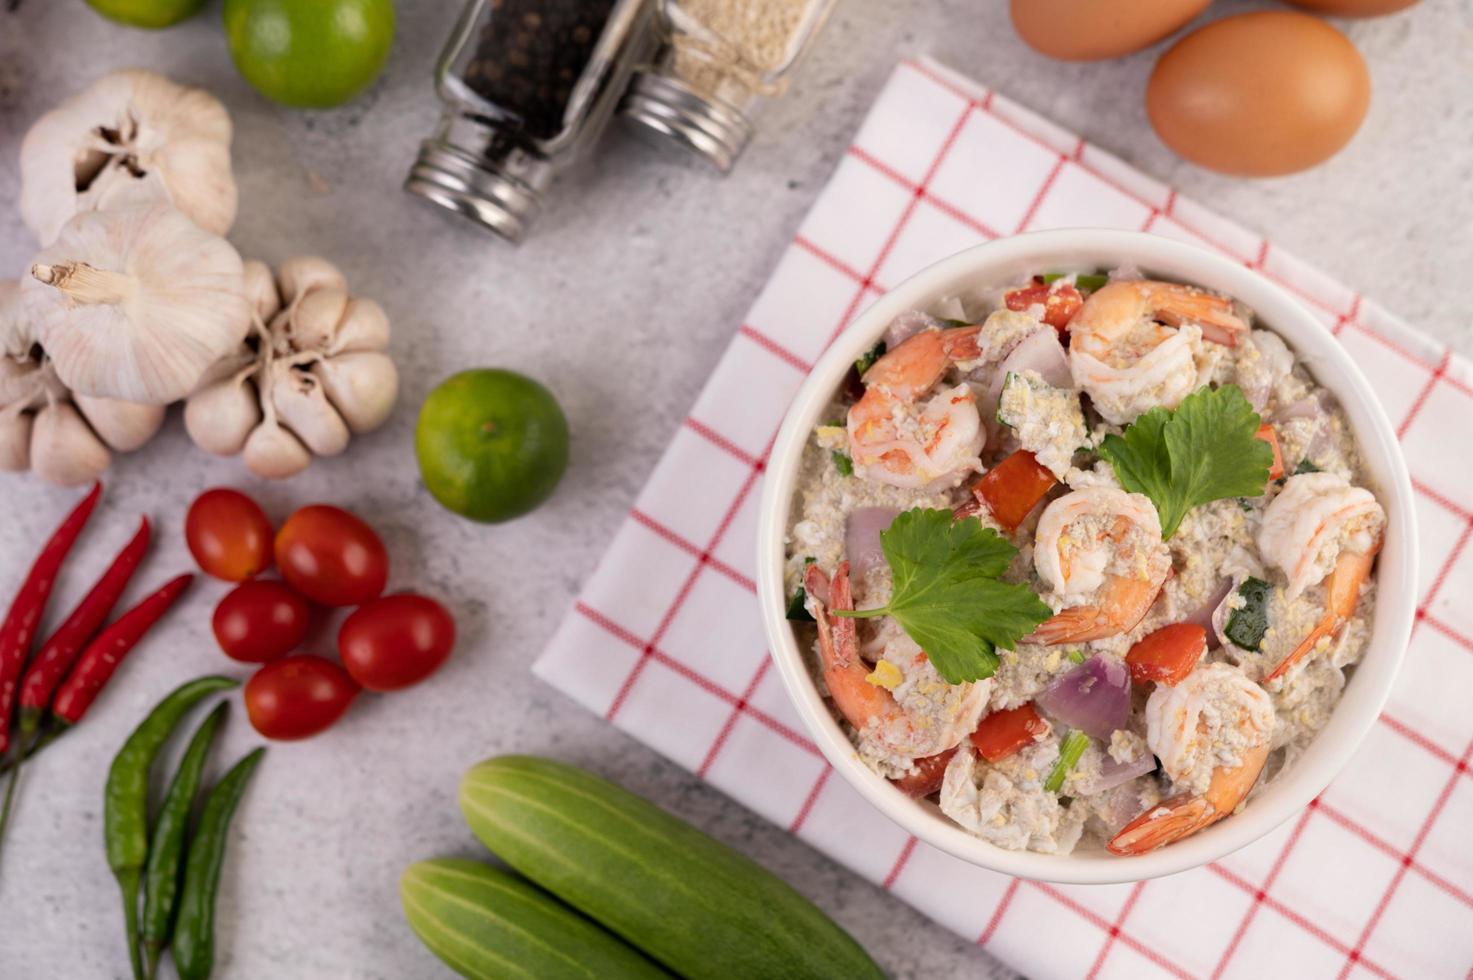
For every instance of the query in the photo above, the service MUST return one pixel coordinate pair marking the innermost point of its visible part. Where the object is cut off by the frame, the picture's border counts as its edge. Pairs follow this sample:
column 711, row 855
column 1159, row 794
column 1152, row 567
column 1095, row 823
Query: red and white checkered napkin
column 666, row 642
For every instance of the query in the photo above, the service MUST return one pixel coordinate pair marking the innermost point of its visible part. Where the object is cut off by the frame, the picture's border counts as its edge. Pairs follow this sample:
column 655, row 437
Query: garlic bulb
column 137, row 303
column 62, row 436
column 311, row 374
column 131, row 136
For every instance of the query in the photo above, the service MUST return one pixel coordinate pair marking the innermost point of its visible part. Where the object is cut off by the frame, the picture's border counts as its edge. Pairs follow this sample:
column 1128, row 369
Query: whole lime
column 309, row 53
column 146, row 13
column 492, row 444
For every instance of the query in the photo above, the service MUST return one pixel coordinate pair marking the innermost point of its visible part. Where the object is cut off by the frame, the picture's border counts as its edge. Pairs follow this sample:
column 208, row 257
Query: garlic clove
column 137, row 304
column 313, row 322
column 274, row 453
column 260, row 290
column 364, row 326
column 299, row 276
column 15, row 440
column 64, row 450
column 220, row 417
column 123, row 426
column 17, row 335
column 361, row 385
column 129, row 134
column 303, row 408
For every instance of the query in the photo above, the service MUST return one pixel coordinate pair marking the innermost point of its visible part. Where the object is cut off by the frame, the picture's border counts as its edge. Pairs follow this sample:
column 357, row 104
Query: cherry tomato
column 260, row 620
column 298, row 696
column 331, row 556
column 228, row 534
column 396, row 641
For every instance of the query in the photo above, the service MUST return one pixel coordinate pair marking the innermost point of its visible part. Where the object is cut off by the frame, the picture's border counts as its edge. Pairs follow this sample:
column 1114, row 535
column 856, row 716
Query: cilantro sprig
column 948, row 592
column 1203, row 451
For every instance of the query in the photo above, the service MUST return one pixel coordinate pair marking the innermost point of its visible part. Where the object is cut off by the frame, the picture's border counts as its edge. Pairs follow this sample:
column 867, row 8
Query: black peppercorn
column 530, row 54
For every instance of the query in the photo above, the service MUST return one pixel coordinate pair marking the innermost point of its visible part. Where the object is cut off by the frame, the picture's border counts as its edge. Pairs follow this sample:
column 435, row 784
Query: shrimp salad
column 1196, row 606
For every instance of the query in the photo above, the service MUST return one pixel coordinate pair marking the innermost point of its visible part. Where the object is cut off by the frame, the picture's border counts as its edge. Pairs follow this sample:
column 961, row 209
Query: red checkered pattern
column 1375, row 878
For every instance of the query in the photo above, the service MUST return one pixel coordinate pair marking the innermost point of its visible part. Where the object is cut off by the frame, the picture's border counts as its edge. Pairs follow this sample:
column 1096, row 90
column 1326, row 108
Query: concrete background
column 621, row 300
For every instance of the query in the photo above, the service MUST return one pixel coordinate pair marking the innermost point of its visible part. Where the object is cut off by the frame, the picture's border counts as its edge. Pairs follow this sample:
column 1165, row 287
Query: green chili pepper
column 166, row 849
column 194, row 935
column 125, row 801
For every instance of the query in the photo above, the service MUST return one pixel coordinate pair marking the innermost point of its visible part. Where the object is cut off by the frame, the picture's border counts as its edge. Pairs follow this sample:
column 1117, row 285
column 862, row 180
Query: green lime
column 492, row 444
column 309, row 53
column 146, row 13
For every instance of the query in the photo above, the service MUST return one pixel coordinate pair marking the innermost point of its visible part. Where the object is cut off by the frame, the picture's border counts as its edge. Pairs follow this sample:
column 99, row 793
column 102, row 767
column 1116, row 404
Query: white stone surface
column 621, row 300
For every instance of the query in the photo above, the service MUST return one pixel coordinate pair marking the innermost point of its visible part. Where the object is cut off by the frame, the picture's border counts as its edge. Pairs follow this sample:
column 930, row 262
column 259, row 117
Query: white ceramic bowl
column 1013, row 260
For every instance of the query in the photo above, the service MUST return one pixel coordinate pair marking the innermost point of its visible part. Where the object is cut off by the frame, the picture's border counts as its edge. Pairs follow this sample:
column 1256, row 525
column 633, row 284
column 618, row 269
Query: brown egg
column 1087, row 30
column 1354, row 8
column 1259, row 94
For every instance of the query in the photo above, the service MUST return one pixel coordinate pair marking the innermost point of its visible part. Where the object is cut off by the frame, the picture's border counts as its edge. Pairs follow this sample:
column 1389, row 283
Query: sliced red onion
column 1040, row 351
column 1309, row 407
column 906, row 326
column 1093, row 697
column 1114, row 773
column 862, row 537
column 1205, row 613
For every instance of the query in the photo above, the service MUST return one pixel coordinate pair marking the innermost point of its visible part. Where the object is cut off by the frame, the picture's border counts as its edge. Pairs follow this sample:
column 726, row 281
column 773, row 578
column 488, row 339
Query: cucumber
column 1247, row 624
column 484, row 923
column 688, row 901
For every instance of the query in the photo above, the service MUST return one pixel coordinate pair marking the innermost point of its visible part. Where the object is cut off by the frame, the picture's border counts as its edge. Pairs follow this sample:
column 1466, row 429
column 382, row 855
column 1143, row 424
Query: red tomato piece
column 1267, row 434
column 927, row 777
column 1167, row 655
column 331, row 556
column 1002, row 733
column 298, row 696
column 1060, row 301
column 1013, row 487
column 229, row 534
column 260, row 620
column 395, row 641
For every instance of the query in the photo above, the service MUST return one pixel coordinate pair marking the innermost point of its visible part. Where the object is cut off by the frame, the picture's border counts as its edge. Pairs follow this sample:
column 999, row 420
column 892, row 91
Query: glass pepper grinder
column 717, row 59
column 527, row 87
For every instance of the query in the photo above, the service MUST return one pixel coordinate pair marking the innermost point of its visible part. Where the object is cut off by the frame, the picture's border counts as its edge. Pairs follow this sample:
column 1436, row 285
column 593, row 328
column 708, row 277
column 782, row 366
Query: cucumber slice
column 1247, row 624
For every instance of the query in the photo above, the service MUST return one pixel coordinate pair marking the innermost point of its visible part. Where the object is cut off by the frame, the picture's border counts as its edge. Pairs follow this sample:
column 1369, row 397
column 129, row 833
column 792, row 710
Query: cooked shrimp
column 1211, row 733
column 1313, row 520
column 1099, row 548
column 896, row 439
column 931, row 715
column 1133, row 345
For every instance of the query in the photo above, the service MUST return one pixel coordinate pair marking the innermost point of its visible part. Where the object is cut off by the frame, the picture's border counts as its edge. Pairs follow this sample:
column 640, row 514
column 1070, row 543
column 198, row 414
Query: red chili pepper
column 102, row 656
column 1002, row 733
column 59, row 652
column 19, row 628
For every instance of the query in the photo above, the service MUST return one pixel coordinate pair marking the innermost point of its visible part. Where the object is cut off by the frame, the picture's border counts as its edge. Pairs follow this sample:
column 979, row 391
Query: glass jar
column 527, row 87
column 718, row 58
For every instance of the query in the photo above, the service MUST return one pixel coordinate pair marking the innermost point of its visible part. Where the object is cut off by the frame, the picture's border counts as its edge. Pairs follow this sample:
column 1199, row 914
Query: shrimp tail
column 1123, row 603
column 1165, row 823
column 1184, row 815
column 838, row 636
column 1342, row 591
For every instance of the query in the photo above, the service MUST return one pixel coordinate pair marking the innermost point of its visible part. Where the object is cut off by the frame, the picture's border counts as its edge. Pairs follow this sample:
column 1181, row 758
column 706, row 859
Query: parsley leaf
column 1206, row 450
column 948, row 594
